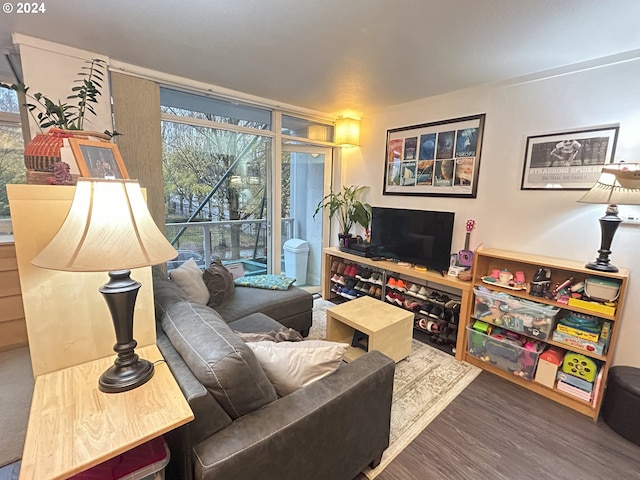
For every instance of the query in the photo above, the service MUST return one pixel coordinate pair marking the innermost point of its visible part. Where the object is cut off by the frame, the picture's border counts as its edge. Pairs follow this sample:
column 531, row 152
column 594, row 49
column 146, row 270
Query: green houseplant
column 349, row 210
column 65, row 115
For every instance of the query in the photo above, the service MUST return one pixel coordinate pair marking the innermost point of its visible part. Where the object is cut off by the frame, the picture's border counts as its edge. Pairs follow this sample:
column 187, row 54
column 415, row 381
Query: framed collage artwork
column 435, row 159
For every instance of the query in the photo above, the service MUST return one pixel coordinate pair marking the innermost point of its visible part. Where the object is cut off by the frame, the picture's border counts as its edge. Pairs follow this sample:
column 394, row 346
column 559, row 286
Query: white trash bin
column 296, row 256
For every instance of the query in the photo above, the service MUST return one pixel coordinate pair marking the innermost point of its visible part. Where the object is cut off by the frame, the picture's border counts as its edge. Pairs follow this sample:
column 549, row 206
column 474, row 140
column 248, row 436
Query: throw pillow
column 292, row 365
column 188, row 277
column 218, row 358
column 268, row 281
column 219, row 282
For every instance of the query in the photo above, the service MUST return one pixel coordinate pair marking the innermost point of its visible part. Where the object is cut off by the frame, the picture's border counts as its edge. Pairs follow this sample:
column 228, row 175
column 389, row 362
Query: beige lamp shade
column 108, row 227
column 347, row 132
column 619, row 184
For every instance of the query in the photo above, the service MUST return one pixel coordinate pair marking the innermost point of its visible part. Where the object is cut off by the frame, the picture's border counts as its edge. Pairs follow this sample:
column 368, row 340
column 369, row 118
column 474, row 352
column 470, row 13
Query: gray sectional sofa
column 330, row 429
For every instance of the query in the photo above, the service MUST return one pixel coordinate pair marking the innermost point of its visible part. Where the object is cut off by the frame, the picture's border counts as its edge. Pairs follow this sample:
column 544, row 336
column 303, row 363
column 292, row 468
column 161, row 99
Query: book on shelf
column 573, row 391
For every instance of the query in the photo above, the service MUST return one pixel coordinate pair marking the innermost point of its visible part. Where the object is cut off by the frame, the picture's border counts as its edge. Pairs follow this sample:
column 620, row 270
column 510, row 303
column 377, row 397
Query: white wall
column 550, row 223
column 51, row 69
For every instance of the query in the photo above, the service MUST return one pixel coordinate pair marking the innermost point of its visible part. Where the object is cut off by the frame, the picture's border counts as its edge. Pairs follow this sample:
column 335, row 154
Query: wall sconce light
column 347, row 132
column 619, row 184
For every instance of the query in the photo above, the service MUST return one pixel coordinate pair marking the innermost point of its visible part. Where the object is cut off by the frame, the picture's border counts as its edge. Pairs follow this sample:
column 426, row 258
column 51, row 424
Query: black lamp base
column 601, row 266
column 128, row 370
column 608, row 226
column 120, row 379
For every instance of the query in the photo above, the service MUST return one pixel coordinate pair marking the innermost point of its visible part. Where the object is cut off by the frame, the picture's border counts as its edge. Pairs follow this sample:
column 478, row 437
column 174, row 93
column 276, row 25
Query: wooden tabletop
column 74, row 426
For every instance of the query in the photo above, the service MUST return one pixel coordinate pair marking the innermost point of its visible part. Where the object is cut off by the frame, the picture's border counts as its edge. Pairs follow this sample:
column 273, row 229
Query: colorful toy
column 580, row 366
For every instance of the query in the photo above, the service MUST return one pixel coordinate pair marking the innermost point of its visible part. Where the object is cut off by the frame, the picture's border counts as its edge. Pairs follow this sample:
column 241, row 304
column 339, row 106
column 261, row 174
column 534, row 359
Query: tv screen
column 420, row 237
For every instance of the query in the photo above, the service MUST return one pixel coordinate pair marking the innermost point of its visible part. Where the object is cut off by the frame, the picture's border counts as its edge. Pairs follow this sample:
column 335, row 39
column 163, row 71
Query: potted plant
column 348, row 209
column 48, row 113
column 62, row 119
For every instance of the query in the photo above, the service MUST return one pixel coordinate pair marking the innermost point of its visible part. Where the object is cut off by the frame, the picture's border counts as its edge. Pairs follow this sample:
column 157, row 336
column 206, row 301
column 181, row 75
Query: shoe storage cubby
column 436, row 312
column 550, row 339
column 437, row 301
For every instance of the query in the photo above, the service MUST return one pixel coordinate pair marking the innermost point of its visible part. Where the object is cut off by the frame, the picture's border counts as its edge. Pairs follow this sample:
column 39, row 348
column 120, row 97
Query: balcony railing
column 231, row 240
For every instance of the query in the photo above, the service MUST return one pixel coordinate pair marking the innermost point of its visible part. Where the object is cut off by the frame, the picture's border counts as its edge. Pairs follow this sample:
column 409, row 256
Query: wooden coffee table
column 389, row 328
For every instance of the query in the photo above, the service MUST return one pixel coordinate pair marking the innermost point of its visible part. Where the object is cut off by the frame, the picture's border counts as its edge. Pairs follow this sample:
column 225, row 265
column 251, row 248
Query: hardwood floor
column 499, row 431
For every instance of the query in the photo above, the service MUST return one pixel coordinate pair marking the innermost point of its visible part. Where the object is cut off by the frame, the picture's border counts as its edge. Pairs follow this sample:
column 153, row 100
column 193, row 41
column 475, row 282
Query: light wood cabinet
column 13, row 329
column 486, row 260
column 432, row 280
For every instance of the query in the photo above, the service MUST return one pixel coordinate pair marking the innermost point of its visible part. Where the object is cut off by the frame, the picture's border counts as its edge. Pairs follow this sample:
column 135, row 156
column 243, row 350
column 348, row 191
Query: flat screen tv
column 419, row 237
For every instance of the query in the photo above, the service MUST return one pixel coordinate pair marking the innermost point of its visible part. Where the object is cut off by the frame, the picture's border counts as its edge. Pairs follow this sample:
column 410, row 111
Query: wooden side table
column 389, row 328
column 73, row 426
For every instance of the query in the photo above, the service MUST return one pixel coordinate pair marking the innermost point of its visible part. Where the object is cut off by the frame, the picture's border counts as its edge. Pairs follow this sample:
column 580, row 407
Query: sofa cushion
column 277, row 304
column 188, row 277
column 292, row 365
column 219, row 282
column 218, row 358
column 165, row 292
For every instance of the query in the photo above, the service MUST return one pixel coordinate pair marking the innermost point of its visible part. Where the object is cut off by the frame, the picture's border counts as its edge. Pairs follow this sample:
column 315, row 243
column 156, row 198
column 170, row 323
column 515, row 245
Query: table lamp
column 619, row 184
column 109, row 229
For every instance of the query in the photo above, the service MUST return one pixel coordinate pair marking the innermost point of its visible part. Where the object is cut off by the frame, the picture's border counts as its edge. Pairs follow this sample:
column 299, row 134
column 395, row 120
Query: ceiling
column 338, row 55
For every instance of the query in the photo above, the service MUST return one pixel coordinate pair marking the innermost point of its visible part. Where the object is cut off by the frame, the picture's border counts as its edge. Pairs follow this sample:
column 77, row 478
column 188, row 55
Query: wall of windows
column 11, row 151
column 227, row 180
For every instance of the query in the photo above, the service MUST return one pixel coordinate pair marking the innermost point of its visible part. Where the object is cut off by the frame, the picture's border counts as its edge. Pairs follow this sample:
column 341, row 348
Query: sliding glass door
column 305, row 170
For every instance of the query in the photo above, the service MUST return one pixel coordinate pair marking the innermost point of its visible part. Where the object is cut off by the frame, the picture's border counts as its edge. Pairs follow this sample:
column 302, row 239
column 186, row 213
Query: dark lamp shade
column 108, row 227
column 619, row 184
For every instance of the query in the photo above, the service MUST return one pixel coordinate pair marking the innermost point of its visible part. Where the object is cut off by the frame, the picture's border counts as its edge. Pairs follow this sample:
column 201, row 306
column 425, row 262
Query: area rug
column 424, row 384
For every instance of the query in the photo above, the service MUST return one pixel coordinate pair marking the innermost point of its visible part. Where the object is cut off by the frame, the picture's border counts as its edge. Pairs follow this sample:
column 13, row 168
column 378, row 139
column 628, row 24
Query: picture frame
column 98, row 159
column 438, row 159
column 570, row 160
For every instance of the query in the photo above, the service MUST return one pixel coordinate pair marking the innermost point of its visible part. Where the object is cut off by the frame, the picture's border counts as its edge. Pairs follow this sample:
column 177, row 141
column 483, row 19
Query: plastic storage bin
column 503, row 353
column 144, row 462
column 533, row 319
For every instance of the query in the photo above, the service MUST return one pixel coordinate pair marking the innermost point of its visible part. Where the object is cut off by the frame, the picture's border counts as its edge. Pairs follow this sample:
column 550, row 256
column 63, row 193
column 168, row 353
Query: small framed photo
column 568, row 161
column 98, row 159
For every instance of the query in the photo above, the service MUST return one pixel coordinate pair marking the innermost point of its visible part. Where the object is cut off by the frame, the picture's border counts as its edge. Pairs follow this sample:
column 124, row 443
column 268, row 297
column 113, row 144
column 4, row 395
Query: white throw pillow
column 188, row 277
column 292, row 365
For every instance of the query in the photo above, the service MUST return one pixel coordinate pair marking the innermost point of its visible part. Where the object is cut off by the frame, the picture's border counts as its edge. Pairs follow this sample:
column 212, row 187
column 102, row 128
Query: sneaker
column 347, row 270
column 341, row 280
column 372, row 290
column 413, row 290
column 399, row 299
column 409, row 304
column 401, row 286
column 422, row 324
column 417, row 307
column 423, row 293
column 378, row 292
column 425, row 309
column 336, row 288
column 376, row 278
column 334, row 265
column 360, row 286
column 350, row 283
column 351, row 294
column 391, row 283
column 340, row 269
column 435, row 312
column 365, row 274
column 335, row 278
